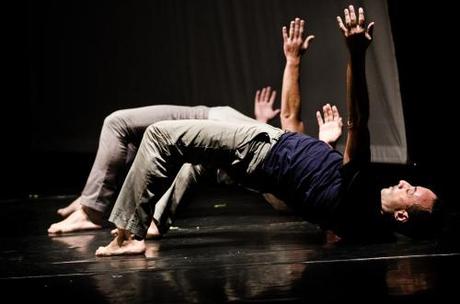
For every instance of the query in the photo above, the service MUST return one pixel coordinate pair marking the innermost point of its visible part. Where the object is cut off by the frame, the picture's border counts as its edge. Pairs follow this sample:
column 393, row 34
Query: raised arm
column 294, row 47
column 358, row 38
column 263, row 105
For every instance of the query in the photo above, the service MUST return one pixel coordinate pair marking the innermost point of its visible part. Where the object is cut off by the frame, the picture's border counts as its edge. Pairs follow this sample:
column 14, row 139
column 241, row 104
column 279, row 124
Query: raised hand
column 294, row 45
column 330, row 124
column 357, row 36
column 263, row 105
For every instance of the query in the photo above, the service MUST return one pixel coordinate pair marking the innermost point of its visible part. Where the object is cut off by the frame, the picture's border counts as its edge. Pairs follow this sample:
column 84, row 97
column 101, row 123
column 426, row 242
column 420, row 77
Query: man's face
column 403, row 195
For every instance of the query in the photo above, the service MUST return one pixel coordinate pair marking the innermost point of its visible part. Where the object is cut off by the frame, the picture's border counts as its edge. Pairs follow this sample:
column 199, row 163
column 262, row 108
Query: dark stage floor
column 226, row 246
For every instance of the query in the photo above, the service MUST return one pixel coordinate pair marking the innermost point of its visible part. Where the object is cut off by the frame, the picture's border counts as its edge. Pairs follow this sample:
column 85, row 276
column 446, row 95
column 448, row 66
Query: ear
column 401, row 216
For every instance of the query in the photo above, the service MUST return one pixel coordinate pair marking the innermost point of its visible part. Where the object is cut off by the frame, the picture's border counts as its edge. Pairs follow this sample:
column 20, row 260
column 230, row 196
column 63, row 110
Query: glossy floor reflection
column 227, row 245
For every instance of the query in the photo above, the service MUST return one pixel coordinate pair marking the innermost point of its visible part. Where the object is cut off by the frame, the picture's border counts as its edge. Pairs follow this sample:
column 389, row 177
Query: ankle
column 93, row 215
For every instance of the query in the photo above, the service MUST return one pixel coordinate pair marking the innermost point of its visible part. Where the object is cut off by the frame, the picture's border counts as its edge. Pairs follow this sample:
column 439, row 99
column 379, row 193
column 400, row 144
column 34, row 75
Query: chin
column 383, row 192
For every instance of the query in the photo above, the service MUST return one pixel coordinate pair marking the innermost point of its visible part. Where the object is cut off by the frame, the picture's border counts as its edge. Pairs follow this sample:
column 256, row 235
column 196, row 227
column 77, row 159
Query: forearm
column 290, row 97
column 358, row 139
column 357, row 93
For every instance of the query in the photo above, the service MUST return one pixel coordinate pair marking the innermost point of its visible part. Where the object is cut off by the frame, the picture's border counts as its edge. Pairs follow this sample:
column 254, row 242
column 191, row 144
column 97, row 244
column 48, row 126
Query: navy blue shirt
column 310, row 177
column 305, row 173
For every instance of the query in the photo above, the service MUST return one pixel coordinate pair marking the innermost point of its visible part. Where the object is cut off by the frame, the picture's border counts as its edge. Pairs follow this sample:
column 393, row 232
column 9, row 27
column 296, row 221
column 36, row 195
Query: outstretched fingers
column 319, row 118
column 346, row 13
column 370, row 31
column 263, row 94
column 336, row 116
column 330, row 113
column 296, row 28
column 361, row 19
column 335, row 113
column 257, row 98
column 263, row 105
column 306, row 43
column 354, row 29
column 352, row 15
column 301, row 27
column 327, row 113
column 272, row 97
column 285, row 34
column 342, row 26
column 291, row 30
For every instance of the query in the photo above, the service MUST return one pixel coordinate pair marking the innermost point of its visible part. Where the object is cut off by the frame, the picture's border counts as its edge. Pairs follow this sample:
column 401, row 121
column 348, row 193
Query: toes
column 100, row 251
column 54, row 229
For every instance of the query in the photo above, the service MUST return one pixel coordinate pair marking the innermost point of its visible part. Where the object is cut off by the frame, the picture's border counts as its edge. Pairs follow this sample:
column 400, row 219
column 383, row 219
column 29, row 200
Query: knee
column 115, row 121
column 156, row 138
column 161, row 134
column 154, row 132
column 163, row 126
column 153, row 128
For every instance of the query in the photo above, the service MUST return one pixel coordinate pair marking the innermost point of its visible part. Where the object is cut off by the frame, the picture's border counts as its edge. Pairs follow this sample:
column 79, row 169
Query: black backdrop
column 114, row 66
column 427, row 56
column 89, row 59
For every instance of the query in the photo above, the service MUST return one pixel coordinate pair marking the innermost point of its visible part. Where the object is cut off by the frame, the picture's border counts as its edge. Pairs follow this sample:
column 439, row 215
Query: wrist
column 358, row 56
column 293, row 62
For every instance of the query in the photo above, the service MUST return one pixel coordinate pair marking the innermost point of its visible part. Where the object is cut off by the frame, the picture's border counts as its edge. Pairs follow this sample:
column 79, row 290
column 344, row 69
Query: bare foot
column 122, row 245
column 71, row 208
column 152, row 233
column 79, row 220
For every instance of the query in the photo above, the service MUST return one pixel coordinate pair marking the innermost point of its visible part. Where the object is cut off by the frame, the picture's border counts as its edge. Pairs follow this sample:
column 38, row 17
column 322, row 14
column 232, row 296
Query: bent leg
column 187, row 177
column 120, row 137
column 165, row 209
column 165, row 147
column 122, row 131
column 169, row 144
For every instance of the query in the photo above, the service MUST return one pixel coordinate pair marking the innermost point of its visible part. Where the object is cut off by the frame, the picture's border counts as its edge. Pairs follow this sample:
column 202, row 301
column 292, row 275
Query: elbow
column 289, row 116
column 292, row 125
column 286, row 115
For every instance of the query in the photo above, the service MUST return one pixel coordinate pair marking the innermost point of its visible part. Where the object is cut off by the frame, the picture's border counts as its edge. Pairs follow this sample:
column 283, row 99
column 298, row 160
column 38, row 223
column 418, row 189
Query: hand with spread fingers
column 330, row 124
column 263, row 105
column 357, row 35
column 294, row 45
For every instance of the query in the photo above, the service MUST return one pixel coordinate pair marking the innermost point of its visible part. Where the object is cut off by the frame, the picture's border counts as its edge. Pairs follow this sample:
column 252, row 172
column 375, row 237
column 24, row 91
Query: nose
column 402, row 184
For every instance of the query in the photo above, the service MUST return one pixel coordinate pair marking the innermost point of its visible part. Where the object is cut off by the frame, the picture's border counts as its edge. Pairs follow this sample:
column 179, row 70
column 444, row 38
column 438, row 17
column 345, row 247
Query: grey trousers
column 120, row 138
column 238, row 148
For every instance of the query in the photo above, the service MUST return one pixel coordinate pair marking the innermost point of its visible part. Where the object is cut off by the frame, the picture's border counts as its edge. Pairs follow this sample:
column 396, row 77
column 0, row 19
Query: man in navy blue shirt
column 325, row 187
